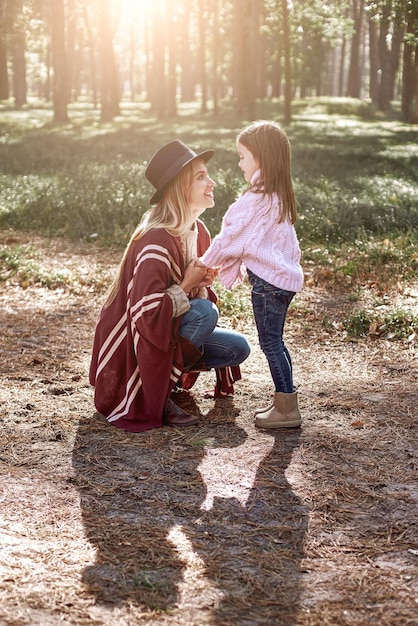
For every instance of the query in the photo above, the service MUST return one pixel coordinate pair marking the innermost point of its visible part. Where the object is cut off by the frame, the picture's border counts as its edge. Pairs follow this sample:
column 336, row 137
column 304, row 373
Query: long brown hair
column 270, row 146
column 172, row 213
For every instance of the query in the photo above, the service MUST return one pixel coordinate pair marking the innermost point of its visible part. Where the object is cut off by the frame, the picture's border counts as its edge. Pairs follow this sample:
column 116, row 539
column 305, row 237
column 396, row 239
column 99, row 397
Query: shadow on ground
column 160, row 550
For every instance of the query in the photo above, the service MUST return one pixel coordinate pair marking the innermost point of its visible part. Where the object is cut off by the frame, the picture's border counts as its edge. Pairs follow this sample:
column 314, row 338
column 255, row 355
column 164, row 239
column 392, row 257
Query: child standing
column 258, row 236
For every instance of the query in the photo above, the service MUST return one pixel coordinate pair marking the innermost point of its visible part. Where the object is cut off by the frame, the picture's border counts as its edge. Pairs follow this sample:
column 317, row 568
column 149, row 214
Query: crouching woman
column 159, row 320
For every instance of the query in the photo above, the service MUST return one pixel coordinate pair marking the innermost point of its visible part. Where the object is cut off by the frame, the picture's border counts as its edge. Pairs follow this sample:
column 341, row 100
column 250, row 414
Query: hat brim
column 205, row 156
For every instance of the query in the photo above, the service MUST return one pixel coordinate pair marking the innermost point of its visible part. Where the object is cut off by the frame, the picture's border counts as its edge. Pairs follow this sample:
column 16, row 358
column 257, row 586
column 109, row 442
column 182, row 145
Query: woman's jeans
column 270, row 305
column 221, row 347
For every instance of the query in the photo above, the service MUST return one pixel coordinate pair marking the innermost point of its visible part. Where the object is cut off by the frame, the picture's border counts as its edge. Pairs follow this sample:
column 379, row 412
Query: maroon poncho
column 137, row 358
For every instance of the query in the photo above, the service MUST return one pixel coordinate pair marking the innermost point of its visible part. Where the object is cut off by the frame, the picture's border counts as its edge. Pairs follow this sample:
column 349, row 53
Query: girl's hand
column 209, row 277
column 211, row 274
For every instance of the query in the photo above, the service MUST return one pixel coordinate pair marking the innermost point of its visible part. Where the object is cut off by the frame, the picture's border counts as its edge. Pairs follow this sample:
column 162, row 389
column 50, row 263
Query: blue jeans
column 270, row 305
column 221, row 347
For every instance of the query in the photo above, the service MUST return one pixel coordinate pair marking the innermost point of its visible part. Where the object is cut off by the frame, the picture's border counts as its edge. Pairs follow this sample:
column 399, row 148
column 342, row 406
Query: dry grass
column 216, row 524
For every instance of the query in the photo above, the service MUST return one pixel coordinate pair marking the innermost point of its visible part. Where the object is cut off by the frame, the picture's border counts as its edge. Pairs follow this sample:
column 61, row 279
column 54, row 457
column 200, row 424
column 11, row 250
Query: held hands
column 197, row 275
column 209, row 277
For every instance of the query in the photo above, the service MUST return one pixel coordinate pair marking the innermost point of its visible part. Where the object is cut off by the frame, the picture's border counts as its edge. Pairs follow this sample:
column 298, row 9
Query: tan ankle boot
column 264, row 409
column 283, row 414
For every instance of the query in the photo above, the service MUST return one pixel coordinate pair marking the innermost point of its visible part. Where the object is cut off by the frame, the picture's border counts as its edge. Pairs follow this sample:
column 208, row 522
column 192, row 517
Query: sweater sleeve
column 181, row 303
column 227, row 248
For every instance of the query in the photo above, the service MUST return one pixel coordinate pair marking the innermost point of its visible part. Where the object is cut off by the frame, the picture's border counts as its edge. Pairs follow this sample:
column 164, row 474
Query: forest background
column 170, row 51
column 219, row 523
column 89, row 90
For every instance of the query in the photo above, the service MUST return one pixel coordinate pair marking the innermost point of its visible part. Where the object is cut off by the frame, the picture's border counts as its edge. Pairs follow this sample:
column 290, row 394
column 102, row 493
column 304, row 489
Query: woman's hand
column 194, row 276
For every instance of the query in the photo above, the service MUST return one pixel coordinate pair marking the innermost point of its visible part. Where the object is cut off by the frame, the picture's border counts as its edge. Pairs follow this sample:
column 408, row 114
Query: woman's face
column 201, row 189
column 247, row 162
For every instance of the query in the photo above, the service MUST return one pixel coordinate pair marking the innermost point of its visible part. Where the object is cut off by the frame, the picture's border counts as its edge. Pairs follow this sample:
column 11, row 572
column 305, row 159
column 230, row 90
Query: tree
column 171, row 106
column 109, row 87
column 202, row 19
column 19, row 69
column 157, row 73
column 59, row 60
column 186, row 54
column 354, row 83
column 4, row 76
column 215, row 53
column 287, row 54
column 392, row 23
column 91, row 56
column 244, row 69
column 410, row 67
column 7, row 20
column 374, row 56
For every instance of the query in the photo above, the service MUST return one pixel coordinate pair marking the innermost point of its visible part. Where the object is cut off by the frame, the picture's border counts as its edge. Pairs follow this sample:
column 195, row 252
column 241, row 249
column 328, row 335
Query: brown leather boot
column 283, row 414
column 191, row 354
column 175, row 416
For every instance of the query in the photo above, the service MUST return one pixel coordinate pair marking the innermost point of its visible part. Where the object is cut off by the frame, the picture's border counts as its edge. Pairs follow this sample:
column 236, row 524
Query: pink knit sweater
column 252, row 238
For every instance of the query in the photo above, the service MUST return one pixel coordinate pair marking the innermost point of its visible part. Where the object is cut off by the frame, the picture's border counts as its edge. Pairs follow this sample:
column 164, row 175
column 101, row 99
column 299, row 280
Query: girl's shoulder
column 256, row 200
column 247, row 198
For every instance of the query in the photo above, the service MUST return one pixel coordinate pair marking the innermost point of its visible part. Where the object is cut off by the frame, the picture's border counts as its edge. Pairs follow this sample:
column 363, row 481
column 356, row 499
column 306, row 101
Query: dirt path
column 215, row 524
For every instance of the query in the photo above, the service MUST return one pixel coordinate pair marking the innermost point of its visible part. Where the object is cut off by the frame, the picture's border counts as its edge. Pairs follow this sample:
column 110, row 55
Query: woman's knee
column 202, row 317
column 209, row 311
column 243, row 347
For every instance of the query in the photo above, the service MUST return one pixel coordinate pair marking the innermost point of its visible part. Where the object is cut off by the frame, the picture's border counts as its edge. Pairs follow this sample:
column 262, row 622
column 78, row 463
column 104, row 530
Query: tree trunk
column 4, row 77
column 215, row 55
column 398, row 34
column 109, row 88
column 202, row 18
column 19, row 70
column 276, row 81
column 390, row 40
column 415, row 118
column 131, row 70
column 187, row 57
column 410, row 71
column 341, row 68
column 354, row 82
column 287, row 73
column 243, row 64
column 71, row 24
column 92, row 59
column 171, row 105
column 59, row 61
column 258, row 52
column 374, row 59
column 157, row 74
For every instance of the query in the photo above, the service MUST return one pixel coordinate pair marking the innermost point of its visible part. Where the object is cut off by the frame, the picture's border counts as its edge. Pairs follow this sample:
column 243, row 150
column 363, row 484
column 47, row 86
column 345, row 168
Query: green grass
column 367, row 260
column 396, row 324
column 355, row 176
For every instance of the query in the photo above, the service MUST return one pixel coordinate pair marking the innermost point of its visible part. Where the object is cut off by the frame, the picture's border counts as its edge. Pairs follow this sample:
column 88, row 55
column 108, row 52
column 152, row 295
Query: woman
column 159, row 319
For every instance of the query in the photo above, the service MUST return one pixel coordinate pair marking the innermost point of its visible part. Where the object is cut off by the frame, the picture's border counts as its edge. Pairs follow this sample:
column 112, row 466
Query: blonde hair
column 269, row 145
column 172, row 213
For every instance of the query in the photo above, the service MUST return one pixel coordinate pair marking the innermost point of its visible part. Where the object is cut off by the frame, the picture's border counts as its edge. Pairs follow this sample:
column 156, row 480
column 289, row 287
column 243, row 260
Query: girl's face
column 201, row 189
column 247, row 162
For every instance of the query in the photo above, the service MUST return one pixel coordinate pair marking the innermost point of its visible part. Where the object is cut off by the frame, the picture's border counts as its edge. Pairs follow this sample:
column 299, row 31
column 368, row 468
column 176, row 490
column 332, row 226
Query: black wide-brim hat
column 167, row 162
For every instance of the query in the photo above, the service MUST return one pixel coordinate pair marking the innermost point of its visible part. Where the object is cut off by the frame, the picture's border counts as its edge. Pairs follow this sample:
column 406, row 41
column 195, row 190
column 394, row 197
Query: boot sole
column 280, row 425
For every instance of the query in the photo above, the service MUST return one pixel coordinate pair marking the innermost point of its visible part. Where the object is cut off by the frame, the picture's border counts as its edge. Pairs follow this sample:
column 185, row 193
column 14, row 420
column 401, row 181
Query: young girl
column 160, row 317
column 258, row 235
